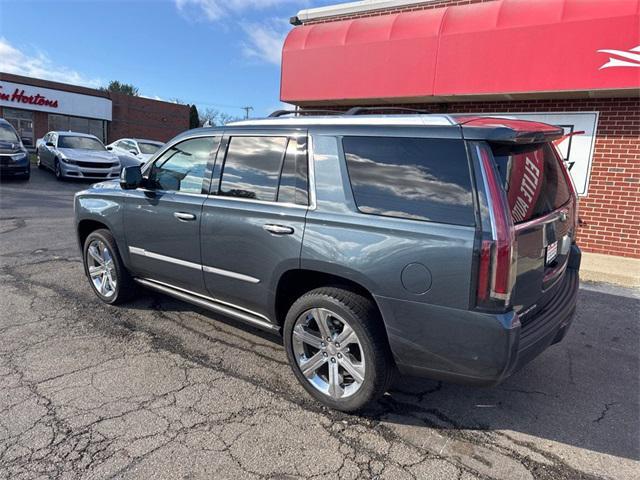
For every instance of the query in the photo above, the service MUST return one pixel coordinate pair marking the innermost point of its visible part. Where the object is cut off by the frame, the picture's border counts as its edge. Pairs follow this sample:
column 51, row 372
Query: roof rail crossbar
column 300, row 113
column 361, row 110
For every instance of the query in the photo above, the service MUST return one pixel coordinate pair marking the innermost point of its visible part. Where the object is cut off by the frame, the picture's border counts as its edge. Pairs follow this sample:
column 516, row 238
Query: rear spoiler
column 507, row 130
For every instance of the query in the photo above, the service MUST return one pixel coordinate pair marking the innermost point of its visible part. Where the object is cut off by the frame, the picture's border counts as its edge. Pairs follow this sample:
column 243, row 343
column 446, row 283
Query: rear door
column 253, row 221
column 542, row 204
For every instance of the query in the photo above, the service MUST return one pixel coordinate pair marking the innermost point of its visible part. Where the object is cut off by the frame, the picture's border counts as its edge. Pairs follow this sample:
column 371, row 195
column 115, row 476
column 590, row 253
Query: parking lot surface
column 161, row 389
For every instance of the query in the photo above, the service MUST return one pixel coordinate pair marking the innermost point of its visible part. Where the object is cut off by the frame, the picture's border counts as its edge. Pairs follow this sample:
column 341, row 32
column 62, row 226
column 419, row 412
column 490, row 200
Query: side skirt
column 209, row 304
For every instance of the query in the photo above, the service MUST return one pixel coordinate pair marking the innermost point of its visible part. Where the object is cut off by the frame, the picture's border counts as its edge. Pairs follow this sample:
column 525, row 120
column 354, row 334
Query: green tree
column 194, row 117
column 120, row 87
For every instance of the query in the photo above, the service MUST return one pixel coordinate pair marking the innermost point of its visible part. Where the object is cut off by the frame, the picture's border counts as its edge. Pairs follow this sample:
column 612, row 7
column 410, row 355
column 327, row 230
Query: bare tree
column 213, row 117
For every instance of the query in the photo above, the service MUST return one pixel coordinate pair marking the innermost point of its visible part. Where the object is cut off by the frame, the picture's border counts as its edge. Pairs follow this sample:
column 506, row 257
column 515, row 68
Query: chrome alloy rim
column 328, row 353
column 102, row 270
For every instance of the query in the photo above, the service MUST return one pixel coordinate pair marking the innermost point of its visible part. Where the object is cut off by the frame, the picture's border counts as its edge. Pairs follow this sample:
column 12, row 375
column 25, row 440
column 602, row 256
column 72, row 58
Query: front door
column 162, row 220
column 253, row 222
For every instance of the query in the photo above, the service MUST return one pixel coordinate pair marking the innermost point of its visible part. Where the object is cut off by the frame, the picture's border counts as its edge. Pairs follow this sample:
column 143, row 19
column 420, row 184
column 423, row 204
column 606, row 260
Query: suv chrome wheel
column 328, row 353
column 101, row 268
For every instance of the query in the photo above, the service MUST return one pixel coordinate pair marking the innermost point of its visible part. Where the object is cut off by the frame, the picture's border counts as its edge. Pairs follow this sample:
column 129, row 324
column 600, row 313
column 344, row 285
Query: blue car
column 14, row 159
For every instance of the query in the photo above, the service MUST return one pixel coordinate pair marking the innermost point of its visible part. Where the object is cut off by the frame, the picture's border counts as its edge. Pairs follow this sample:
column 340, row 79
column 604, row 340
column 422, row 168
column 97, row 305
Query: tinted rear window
column 412, row 178
column 533, row 179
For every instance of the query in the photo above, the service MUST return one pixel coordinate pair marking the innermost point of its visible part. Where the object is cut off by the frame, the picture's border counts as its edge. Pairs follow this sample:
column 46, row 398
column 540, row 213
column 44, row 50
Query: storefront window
column 67, row 123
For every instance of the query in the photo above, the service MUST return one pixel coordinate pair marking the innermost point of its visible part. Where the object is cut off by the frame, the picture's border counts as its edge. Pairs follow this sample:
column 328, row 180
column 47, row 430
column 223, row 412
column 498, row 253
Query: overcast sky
column 214, row 53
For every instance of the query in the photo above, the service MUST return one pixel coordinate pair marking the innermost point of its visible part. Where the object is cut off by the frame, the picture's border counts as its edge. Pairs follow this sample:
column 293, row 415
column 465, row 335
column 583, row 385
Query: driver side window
column 182, row 167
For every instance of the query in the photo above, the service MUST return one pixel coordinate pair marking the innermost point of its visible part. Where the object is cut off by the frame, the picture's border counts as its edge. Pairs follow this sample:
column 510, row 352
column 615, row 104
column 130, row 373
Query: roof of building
column 351, row 8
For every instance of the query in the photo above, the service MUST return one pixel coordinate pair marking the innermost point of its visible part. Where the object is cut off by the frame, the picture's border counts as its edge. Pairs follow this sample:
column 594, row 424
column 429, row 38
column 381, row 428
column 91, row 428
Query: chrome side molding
column 217, row 271
column 209, row 303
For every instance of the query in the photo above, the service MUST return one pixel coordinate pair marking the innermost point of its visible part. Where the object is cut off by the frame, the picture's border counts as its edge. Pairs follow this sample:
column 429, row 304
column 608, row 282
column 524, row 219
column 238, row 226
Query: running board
column 209, row 304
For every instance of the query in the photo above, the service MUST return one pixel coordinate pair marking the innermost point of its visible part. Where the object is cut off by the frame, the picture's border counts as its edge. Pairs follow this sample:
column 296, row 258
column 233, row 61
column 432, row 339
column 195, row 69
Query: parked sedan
column 77, row 155
column 134, row 151
column 14, row 159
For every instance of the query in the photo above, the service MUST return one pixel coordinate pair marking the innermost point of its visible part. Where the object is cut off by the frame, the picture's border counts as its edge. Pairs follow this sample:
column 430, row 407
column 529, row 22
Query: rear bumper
column 471, row 347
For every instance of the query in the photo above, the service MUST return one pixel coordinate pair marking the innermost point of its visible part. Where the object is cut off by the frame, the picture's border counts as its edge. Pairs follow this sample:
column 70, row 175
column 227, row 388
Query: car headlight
column 68, row 160
column 18, row 156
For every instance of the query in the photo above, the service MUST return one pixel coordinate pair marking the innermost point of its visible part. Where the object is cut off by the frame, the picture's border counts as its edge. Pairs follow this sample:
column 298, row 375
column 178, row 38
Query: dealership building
column 35, row 106
column 572, row 63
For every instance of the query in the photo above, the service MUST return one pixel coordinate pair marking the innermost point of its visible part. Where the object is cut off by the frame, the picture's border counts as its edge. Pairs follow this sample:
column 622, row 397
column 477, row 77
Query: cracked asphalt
column 162, row 389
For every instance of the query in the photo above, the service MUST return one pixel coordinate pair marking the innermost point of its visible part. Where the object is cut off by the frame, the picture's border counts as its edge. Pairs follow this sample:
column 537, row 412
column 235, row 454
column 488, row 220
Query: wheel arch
column 86, row 226
column 296, row 282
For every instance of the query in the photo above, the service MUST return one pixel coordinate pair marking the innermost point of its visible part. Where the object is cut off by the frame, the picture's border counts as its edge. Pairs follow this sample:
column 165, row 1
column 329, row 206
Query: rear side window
column 533, row 179
column 252, row 167
column 413, row 178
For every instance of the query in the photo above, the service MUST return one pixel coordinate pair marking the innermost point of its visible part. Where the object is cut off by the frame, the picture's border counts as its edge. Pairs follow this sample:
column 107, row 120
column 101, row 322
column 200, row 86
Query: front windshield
column 148, row 148
column 81, row 143
column 8, row 134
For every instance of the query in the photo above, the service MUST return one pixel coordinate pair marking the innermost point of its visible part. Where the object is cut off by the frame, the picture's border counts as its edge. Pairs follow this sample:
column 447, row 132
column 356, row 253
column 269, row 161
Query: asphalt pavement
column 161, row 389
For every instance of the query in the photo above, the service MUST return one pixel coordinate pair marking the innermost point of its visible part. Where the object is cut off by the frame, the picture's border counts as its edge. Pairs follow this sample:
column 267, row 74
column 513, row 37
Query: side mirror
column 49, row 144
column 133, row 152
column 131, row 177
column 109, row 147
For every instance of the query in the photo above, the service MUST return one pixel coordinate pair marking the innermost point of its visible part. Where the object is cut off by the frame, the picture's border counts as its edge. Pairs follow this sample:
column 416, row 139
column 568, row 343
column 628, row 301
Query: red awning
column 504, row 48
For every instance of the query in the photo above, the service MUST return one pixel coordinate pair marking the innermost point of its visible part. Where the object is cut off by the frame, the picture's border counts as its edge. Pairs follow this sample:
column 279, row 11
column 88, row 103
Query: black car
column 14, row 158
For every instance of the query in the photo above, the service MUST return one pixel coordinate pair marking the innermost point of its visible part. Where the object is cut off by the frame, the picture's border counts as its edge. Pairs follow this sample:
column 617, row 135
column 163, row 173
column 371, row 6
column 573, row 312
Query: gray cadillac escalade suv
column 434, row 245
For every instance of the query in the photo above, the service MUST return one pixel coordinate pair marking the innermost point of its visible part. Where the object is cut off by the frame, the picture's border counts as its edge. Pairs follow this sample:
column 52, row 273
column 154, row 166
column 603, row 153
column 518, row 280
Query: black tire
column 57, row 170
column 39, row 163
column 363, row 317
column 125, row 288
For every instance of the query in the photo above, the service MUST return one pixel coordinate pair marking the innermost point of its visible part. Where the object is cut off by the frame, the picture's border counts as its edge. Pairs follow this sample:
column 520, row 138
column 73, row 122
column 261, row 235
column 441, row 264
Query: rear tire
column 108, row 277
column 362, row 365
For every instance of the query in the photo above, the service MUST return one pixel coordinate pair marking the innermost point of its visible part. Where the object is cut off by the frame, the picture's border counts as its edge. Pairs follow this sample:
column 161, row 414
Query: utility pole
column 247, row 110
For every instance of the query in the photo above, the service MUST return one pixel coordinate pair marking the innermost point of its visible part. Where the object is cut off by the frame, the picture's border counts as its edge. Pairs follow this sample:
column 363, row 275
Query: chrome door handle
column 278, row 229
column 184, row 217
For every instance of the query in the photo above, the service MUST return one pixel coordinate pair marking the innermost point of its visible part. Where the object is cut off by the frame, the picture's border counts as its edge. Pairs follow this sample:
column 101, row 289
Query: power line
column 246, row 112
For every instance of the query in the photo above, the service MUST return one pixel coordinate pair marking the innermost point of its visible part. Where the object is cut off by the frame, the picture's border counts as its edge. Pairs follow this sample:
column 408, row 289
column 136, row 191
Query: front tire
column 103, row 266
column 338, row 349
column 39, row 163
column 57, row 170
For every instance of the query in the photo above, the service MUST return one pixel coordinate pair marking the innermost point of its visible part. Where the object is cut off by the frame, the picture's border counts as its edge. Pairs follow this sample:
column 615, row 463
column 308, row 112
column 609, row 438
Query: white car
column 137, row 148
column 76, row 155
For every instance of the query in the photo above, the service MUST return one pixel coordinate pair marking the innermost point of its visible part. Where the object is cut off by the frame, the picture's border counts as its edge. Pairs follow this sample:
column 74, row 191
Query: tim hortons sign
column 61, row 102
column 19, row 96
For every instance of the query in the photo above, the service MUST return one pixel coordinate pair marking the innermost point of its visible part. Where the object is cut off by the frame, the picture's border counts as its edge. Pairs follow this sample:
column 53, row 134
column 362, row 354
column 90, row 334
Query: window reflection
column 413, row 178
column 252, row 167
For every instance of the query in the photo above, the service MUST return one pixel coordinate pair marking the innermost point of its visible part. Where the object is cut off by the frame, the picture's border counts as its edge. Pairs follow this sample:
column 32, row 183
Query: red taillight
column 496, row 273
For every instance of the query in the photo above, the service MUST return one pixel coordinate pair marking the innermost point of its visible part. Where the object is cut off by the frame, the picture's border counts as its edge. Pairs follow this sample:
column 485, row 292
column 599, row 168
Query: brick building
column 574, row 63
column 37, row 106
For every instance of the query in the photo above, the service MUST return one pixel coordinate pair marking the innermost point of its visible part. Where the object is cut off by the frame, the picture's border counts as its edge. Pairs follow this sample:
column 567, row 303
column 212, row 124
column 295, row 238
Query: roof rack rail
column 361, row 110
column 300, row 113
